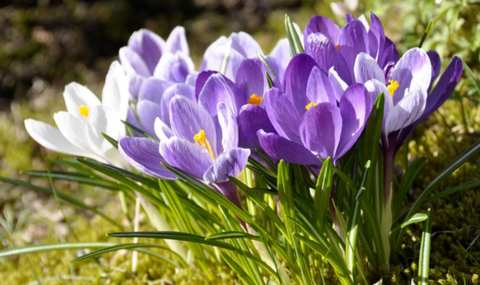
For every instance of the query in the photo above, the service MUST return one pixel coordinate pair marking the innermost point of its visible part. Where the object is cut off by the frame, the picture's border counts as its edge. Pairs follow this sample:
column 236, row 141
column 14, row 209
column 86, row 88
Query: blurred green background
column 46, row 44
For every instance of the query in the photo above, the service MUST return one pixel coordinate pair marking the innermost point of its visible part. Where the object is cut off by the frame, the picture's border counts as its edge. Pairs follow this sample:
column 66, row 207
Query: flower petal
column 177, row 41
column 412, row 71
column 321, row 128
column 133, row 62
column 281, row 54
column 281, row 148
column 186, row 156
column 174, row 66
column 251, row 119
column 76, row 95
column 353, row 39
column 162, row 131
column 187, row 119
column 115, row 93
column 338, row 85
column 296, row 78
column 355, row 108
column 148, row 112
column 319, row 88
column 228, row 123
column 282, row 114
column 250, row 80
column 216, row 90
column 436, row 65
column 143, row 155
column 245, row 44
column 153, row 88
column 148, row 46
column 176, row 89
column 229, row 163
column 322, row 25
column 366, row 68
column 376, row 38
column 74, row 129
column 51, row 138
column 407, row 111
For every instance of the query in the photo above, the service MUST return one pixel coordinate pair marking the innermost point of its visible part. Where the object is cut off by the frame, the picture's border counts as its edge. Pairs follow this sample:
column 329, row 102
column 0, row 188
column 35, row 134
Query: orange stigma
column 392, row 86
column 255, row 100
column 337, row 47
column 310, row 105
column 201, row 138
column 83, row 110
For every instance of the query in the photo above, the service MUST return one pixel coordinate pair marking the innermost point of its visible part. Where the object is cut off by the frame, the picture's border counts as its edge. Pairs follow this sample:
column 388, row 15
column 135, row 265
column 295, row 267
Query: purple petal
column 296, row 77
column 191, row 158
column 319, row 88
column 229, row 163
column 133, row 62
column 148, row 46
column 282, row 114
column 216, row 90
column 245, row 44
column 376, row 38
column 176, row 89
column 444, row 87
column 326, row 55
column 210, row 61
column 174, row 66
column 322, row 25
column 281, row 148
column 228, row 123
column 177, row 41
column 436, row 65
column 321, row 128
column 366, row 68
column 251, row 119
column 281, row 54
column 153, row 88
column 407, row 111
column 162, row 131
column 201, row 80
column 148, row 112
column 390, row 53
column 338, row 85
column 355, row 108
column 135, row 82
column 132, row 120
column 412, row 71
column 143, row 155
column 353, row 39
column 250, row 80
column 374, row 88
column 187, row 119
column 229, row 190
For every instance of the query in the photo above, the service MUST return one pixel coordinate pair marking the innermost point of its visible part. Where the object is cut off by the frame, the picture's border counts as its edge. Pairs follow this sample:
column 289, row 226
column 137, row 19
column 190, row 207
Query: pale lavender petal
column 250, row 80
column 279, row 147
column 407, row 111
column 148, row 46
column 192, row 79
column 189, row 157
column 162, row 131
column 177, row 41
column 281, row 54
column 337, row 83
column 412, row 71
column 143, row 155
column 174, row 66
column 355, row 108
column 374, row 88
column 210, row 60
column 319, row 89
column 201, row 80
column 229, row 163
column 187, row 119
column 282, row 114
column 228, row 123
column 326, row 55
column 245, row 44
column 216, row 90
column 132, row 120
column 321, row 128
column 366, row 68
column 215, row 58
column 135, row 83
column 176, row 89
column 353, row 39
column 251, row 119
column 322, row 25
column 296, row 78
column 133, row 62
column 153, row 88
column 148, row 112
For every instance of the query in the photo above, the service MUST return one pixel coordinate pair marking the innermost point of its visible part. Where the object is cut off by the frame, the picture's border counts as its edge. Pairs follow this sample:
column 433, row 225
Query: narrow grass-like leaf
column 238, row 269
column 226, row 57
column 232, row 235
column 34, row 273
column 452, row 190
column 269, row 80
column 133, row 128
column 472, row 76
column 407, row 181
column 262, row 59
column 111, row 140
column 417, row 218
column 292, row 35
column 135, row 246
column 322, row 192
column 424, row 259
column 425, row 33
column 38, row 248
column 64, row 197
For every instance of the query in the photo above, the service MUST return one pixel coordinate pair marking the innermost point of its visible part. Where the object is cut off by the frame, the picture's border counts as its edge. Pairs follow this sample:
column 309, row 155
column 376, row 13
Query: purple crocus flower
column 197, row 143
column 333, row 47
column 309, row 120
column 149, row 55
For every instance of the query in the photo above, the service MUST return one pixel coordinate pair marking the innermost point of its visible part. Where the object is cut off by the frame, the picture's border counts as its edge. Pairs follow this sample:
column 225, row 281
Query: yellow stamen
column 255, row 100
column 201, row 138
column 393, row 86
column 337, row 47
column 83, row 110
column 310, row 105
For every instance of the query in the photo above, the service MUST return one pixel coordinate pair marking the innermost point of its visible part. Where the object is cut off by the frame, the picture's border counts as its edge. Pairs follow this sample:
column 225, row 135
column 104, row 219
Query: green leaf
column 224, row 64
column 238, row 269
column 133, row 128
column 452, row 190
column 472, row 76
column 38, row 248
column 134, row 246
column 269, row 80
column 412, row 171
column 417, row 218
column 262, row 58
column 111, row 140
column 322, row 192
column 231, row 235
column 425, row 33
column 424, row 259
column 64, row 197
column 292, row 35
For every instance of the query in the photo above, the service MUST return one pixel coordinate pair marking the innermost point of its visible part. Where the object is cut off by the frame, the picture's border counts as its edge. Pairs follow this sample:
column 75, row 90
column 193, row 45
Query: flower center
column 83, row 110
column 255, row 100
column 392, row 86
column 337, row 47
column 310, row 105
column 201, row 138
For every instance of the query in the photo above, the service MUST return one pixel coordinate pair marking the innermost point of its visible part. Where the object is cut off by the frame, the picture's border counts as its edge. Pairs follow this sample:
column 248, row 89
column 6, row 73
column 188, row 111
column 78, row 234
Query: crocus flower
column 80, row 129
column 194, row 143
column 149, row 55
column 331, row 46
column 309, row 120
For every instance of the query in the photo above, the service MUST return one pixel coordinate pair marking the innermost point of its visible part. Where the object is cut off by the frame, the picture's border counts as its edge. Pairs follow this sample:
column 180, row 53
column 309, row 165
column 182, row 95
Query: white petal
column 162, row 131
column 366, row 68
column 51, row 138
column 407, row 111
column 339, row 86
column 74, row 129
column 115, row 92
column 76, row 95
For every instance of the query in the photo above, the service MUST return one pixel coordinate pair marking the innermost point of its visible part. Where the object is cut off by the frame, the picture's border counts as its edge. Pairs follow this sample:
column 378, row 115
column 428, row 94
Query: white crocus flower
column 80, row 129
